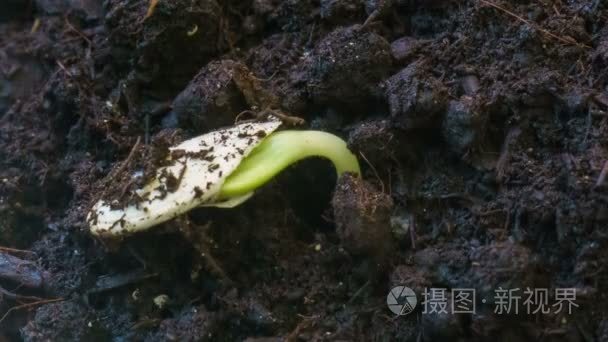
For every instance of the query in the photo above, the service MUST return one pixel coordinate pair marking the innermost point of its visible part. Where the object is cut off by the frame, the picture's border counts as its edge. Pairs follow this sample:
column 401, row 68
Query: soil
column 481, row 127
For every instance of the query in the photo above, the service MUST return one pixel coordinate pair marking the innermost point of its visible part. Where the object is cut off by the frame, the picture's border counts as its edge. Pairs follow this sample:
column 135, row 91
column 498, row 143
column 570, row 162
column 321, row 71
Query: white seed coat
column 200, row 181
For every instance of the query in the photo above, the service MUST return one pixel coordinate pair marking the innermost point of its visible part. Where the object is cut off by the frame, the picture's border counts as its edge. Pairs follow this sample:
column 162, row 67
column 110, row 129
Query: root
column 373, row 170
column 29, row 305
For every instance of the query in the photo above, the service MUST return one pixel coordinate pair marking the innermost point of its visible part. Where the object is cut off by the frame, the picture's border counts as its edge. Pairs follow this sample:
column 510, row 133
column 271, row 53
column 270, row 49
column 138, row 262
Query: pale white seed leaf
column 202, row 168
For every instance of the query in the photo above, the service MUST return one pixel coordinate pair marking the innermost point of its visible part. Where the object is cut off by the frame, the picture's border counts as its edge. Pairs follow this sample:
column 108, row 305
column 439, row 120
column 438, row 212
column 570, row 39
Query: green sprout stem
column 281, row 149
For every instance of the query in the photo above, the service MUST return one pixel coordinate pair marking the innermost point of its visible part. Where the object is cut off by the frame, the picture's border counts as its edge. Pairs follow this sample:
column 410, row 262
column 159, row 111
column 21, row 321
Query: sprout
column 282, row 149
column 221, row 168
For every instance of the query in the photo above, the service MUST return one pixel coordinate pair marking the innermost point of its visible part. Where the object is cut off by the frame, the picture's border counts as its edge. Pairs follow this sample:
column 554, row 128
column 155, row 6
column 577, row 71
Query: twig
column 14, row 296
column 35, row 25
column 238, row 117
column 147, row 127
column 64, row 69
column 124, row 164
column 304, row 324
column 359, row 292
column 413, row 231
column 489, row 212
column 151, row 8
column 129, row 157
column 603, row 174
column 146, row 323
column 503, row 159
column 312, row 31
column 568, row 40
column 15, row 250
column 267, row 78
column 23, row 306
column 374, row 170
column 588, row 127
column 75, row 30
column 284, row 117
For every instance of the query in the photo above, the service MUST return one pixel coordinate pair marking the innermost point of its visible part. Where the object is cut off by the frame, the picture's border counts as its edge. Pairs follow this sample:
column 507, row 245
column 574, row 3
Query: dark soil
column 481, row 126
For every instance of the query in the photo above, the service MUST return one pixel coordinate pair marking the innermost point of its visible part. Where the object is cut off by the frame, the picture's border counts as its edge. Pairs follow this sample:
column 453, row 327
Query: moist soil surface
column 481, row 127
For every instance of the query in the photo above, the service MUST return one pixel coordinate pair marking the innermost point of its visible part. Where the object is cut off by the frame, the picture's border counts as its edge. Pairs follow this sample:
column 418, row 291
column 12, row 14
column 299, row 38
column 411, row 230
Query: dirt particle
column 211, row 99
column 470, row 84
column 462, row 125
column 198, row 192
column 341, row 11
column 58, row 321
column 416, row 100
column 190, row 325
column 260, row 134
column 362, row 216
column 403, row 48
column 346, row 67
column 159, row 36
column 376, row 140
column 176, row 154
